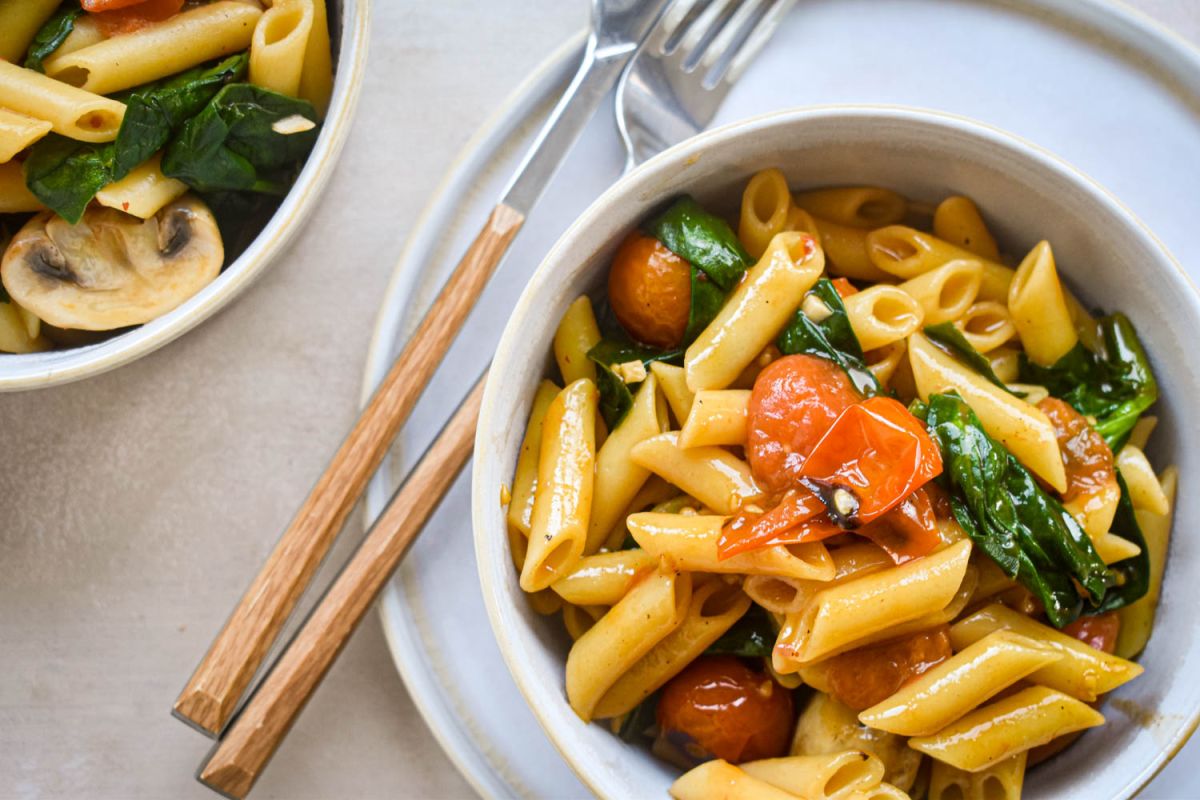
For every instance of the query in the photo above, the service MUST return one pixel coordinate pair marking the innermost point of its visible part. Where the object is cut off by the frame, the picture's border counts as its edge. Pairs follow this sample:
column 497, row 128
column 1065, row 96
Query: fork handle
column 243, row 753
column 211, row 695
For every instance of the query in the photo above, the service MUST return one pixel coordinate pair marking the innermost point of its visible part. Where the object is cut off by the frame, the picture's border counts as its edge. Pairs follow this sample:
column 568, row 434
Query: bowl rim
column 489, row 543
column 55, row 367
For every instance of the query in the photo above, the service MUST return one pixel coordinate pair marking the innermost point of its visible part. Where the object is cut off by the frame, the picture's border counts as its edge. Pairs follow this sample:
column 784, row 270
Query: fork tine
column 756, row 40
column 729, row 39
column 702, row 31
column 675, row 22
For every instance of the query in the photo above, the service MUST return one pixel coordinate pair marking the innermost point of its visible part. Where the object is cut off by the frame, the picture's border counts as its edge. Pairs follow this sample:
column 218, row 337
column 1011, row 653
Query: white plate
column 1090, row 80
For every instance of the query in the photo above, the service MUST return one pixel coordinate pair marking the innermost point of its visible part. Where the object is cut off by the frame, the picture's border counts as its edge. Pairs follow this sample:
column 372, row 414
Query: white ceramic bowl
column 1109, row 257
column 38, row 370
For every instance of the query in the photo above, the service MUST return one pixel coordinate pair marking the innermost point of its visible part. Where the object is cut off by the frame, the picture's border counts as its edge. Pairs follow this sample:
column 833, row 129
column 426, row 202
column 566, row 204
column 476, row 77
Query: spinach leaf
column 638, row 726
column 952, row 339
column 1115, row 385
column 1010, row 517
column 1133, row 574
column 707, row 299
column 752, row 636
column 232, row 146
column 702, row 239
column 52, row 34
column 616, row 396
column 66, row 174
column 832, row 338
column 154, row 112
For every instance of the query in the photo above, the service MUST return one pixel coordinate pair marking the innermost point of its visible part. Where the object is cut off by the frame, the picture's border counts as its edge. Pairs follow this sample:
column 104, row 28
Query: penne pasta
column 71, row 112
column 712, row 475
column 717, row 417
column 1005, row 363
column 160, row 49
column 618, row 477
column 577, row 334
column 1013, row 725
column 1137, row 619
column 906, row 253
column 278, row 45
column 604, row 578
column 882, row 315
column 766, row 205
column 144, row 191
column 1145, row 491
column 1024, row 429
column 845, row 248
column 1140, row 435
column 691, row 542
column 885, row 361
column 946, row 292
column 755, row 312
column 848, row 613
column 958, row 221
column 1038, row 308
column 715, row 606
column 520, row 505
column 19, row 23
column 563, row 498
column 316, row 77
column 1083, row 672
column 15, row 197
column 672, row 381
column 578, row 620
column 17, row 132
column 949, row 690
column 720, row 779
column 986, row 326
column 647, row 614
column 828, row 776
column 1001, row 781
column 827, row 726
column 856, row 206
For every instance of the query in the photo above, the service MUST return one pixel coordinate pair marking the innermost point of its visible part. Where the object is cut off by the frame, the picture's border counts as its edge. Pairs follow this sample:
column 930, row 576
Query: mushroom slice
column 112, row 269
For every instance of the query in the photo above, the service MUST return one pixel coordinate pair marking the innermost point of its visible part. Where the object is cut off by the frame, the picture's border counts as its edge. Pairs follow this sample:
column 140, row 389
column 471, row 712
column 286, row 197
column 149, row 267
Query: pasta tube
column 986, row 326
column 577, row 334
column 19, row 23
column 958, row 221
column 15, row 197
column 1038, row 308
column 885, row 361
column 278, row 45
column 949, row 690
column 857, row 206
column 17, row 132
column 1024, row 429
column 316, row 79
column 845, row 248
column 520, row 505
column 160, row 49
column 1137, row 619
column 712, row 475
column 1145, row 491
column 144, row 191
column 755, row 312
column 1001, row 781
column 691, row 542
column 714, row 608
column 849, row 612
column 766, row 205
column 673, row 382
column 1083, row 671
column 946, row 292
column 1018, row 723
column 563, row 498
column 882, row 315
column 618, row 476
column 645, row 616
column 717, row 417
column 906, row 253
column 71, row 112
column 828, row 776
column 604, row 578
column 720, row 779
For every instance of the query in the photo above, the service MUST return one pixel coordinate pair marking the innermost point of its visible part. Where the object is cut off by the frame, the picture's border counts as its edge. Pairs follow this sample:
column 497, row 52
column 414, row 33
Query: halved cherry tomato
column 719, row 707
column 844, row 287
column 794, row 402
column 874, row 455
column 1099, row 631
column 749, row 530
column 122, row 16
column 1086, row 456
column 908, row 531
column 650, row 289
column 869, row 675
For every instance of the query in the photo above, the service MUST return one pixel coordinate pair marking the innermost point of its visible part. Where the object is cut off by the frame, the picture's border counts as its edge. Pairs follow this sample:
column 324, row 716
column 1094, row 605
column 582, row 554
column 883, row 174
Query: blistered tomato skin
column 1086, row 456
column 719, row 707
column 861, row 678
column 794, row 402
column 1099, row 631
column 650, row 289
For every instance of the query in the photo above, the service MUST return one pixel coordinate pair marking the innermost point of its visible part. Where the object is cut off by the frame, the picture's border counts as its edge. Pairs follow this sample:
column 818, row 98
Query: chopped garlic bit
column 815, row 309
column 296, row 123
column 505, row 494
column 630, row 371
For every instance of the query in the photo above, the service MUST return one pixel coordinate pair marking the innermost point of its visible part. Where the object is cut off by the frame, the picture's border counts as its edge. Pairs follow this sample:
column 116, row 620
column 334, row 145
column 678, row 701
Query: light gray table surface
column 138, row 505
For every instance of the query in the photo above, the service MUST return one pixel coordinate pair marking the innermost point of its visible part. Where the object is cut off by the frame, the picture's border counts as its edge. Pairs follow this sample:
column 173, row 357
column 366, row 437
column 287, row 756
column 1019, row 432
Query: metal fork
column 678, row 78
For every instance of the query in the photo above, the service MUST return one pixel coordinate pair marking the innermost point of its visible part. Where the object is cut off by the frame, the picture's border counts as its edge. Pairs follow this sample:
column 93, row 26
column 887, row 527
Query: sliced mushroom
column 112, row 269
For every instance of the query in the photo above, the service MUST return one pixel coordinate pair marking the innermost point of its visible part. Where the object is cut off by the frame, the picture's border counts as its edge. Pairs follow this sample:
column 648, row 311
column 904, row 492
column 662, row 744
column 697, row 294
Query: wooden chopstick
column 211, row 695
column 243, row 752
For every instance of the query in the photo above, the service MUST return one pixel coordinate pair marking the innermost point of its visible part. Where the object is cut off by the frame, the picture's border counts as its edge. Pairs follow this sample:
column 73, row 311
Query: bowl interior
column 1106, row 256
column 348, row 26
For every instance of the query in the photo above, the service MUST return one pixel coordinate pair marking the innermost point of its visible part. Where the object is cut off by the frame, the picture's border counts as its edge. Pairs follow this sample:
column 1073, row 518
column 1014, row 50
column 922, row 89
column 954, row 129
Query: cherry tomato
column 1086, row 456
column 874, row 456
column 799, row 517
column 1099, row 631
column 721, row 708
column 908, row 531
column 869, row 675
column 844, row 287
column 794, row 402
column 650, row 289
column 119, row 16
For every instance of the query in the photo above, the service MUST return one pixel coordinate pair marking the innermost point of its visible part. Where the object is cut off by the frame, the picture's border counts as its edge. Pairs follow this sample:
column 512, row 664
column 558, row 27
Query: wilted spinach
column 952, row 339
column 702, row 239
column 52, row 34
column 752, row 636
column 616, row 396
column 1133, row 573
